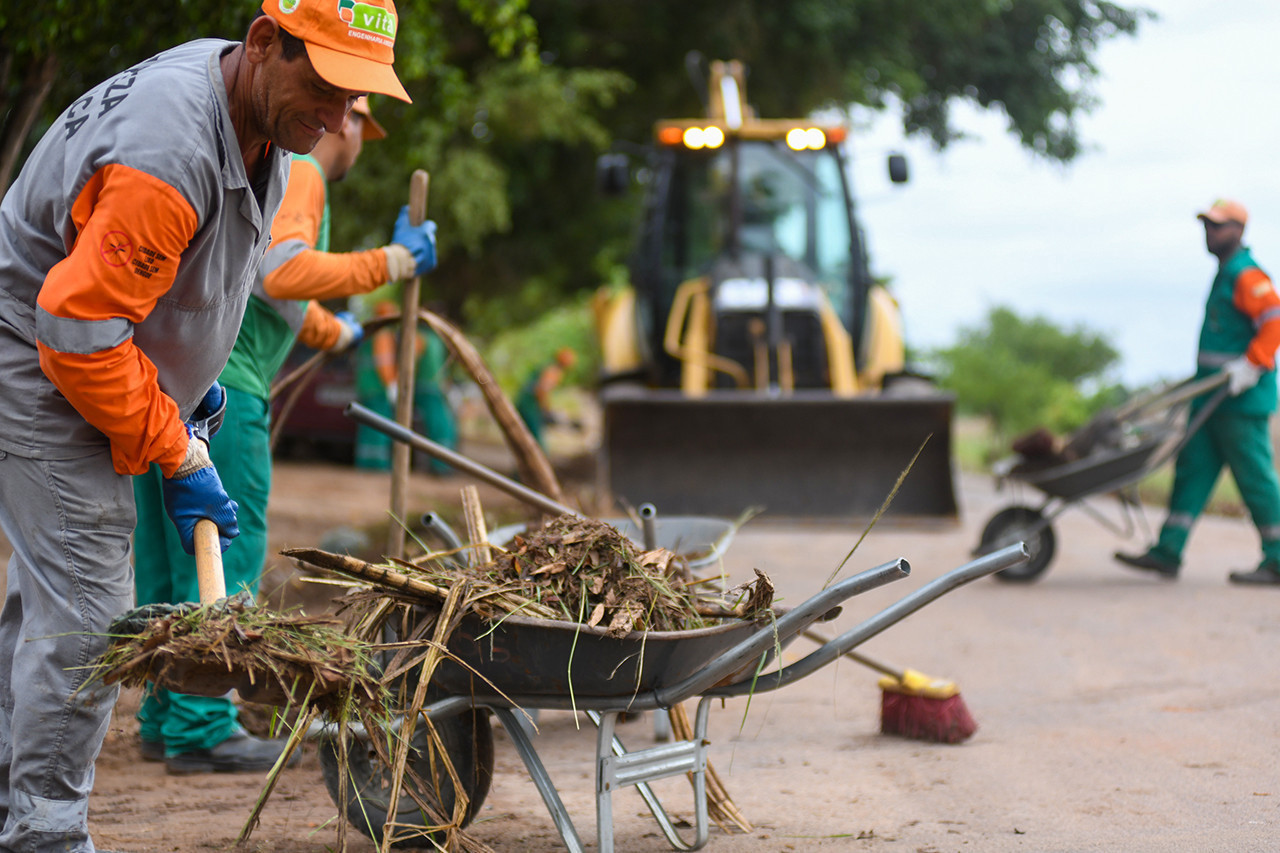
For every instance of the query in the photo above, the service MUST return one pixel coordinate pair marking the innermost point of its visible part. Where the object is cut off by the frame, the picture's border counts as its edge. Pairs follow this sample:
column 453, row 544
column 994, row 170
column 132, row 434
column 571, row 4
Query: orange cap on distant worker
column 1225, row 210
column 351, row 43
column 369, row 129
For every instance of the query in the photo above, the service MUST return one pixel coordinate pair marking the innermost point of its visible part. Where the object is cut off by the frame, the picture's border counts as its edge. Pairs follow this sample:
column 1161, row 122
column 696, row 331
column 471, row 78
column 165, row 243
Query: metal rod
column 369, row 418
column 649, row 525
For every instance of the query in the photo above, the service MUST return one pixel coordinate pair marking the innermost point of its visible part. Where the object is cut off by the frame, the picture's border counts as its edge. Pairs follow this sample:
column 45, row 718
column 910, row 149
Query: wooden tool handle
column 209, row 562
column 418, row 183
column 401, row 455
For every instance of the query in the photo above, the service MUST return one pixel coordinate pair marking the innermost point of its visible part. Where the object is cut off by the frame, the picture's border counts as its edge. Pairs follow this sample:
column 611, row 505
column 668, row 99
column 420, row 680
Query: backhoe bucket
column 806, row 455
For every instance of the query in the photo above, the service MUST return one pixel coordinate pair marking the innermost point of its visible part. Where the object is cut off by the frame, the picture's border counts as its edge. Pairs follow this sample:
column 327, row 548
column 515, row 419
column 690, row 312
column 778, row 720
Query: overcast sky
column 1190, row 111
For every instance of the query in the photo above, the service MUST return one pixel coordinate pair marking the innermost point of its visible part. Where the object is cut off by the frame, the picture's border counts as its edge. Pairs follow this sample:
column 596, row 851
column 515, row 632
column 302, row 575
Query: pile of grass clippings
column 585, row 571
column 572, row 569
column 270, row 657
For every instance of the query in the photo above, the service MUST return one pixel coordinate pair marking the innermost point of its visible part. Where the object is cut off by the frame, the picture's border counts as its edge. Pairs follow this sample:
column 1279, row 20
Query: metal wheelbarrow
column 504, row 669
column 519, row 664
column 1108, row 456
column 507, row 668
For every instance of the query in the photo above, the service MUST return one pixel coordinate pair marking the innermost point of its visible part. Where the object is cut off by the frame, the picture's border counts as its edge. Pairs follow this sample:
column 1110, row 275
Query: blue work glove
column 207, row 418
column 419, row 240
column 351, row 334
column 196, row 492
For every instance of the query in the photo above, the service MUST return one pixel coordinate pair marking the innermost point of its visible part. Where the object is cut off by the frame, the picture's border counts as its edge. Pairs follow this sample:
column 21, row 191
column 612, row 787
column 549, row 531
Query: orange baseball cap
column 1225, row 210
column 369, row 129
column 350, row 42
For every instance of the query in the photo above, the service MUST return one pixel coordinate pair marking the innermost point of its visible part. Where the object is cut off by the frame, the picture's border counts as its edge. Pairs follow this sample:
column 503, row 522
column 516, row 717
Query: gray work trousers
column 69, row 522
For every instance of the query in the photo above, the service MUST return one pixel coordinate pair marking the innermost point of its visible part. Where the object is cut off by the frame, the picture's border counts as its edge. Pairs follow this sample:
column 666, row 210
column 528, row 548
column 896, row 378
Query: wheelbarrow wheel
column 468, row 740
column 1020, row 524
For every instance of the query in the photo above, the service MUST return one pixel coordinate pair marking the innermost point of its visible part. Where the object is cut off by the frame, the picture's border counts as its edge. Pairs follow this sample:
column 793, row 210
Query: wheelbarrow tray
column 1104, row 470
column 521, row 656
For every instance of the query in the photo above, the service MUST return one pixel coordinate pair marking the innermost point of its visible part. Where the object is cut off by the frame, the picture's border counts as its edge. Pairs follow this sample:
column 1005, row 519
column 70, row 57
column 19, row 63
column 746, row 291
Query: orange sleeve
column 1256, row 297
column 312, row 274
column 115, row 387
column 320, row 329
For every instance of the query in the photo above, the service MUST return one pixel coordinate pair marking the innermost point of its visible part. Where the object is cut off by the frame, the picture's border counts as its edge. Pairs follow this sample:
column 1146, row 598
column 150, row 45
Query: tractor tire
column 1018, row 524
column 468, row 740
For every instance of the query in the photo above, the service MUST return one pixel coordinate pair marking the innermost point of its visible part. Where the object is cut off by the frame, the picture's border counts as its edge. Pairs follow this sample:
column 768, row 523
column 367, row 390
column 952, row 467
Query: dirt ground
column 1115, row 711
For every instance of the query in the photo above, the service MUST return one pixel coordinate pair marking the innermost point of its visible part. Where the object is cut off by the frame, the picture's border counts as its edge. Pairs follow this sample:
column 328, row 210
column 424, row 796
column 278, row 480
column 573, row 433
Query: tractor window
column 832, row 250
column 758, row 197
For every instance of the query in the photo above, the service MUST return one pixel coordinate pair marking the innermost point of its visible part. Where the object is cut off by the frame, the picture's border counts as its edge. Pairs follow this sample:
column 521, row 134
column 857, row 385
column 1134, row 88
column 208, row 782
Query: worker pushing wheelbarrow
column 1108, row 456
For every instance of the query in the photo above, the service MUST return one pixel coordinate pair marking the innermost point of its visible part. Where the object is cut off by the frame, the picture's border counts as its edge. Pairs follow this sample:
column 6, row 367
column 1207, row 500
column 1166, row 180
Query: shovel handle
column 209, row 562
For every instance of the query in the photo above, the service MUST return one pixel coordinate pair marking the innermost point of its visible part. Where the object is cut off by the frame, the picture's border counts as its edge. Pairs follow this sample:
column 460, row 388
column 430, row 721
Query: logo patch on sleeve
column 116, row 248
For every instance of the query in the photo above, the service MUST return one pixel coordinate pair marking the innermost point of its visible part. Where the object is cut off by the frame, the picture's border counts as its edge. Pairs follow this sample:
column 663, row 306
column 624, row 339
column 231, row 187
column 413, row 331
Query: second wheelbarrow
column 1108, row 456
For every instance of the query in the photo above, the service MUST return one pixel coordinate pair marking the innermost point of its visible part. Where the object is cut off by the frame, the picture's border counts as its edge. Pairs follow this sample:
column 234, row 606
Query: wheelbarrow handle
column 783, row 628
column 891, row 615
column 388, row 427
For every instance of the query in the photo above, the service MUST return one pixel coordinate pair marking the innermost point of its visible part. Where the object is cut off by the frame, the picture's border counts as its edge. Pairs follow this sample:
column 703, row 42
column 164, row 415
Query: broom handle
column 882, row 668
column 209, row 562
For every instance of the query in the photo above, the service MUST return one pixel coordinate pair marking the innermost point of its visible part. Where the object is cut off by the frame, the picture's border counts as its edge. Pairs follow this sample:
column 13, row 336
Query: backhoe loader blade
column 804, row 455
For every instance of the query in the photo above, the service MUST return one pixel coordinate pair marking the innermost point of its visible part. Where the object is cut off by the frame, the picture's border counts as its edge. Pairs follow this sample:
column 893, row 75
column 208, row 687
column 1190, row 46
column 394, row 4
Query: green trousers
column 373, row 448
column 1242, row 444
column 163, row 572
column 432, row 410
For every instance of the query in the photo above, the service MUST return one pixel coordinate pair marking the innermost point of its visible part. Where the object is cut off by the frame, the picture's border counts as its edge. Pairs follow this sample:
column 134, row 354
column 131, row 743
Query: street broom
column 915, row 705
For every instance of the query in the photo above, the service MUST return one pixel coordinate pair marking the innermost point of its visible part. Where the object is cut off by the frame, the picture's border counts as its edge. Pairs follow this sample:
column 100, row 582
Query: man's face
column 1222, row 238
column 350, row 140
column 293, row 105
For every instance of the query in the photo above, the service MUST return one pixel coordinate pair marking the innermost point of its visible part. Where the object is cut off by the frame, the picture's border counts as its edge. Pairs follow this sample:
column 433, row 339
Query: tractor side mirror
column 898, row 168
column 613, row 174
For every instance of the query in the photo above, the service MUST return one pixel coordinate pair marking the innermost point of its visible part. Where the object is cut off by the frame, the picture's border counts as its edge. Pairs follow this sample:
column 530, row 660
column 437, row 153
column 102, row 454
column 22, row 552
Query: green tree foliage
column 513, row 99
column 1029, row 58
column 1025, row 373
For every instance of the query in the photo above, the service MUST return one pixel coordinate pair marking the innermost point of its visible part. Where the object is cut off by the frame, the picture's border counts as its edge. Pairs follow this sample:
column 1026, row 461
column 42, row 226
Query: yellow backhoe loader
column 752, row 360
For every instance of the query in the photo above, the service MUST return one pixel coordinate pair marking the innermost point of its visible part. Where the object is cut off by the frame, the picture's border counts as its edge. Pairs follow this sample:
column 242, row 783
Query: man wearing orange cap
column 199, row 734
column 1239, row 338
column 129, row 244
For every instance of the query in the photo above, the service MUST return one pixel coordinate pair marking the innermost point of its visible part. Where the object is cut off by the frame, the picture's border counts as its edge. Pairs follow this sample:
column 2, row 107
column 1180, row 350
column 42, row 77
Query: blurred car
column 315, row 427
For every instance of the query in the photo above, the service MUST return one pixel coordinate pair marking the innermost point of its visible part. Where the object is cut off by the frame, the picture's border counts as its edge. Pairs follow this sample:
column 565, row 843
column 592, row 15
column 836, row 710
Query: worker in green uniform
column 195, row 734
column 1239, row 337
column 533, row 402
column 377, row 375
column 375, row 368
